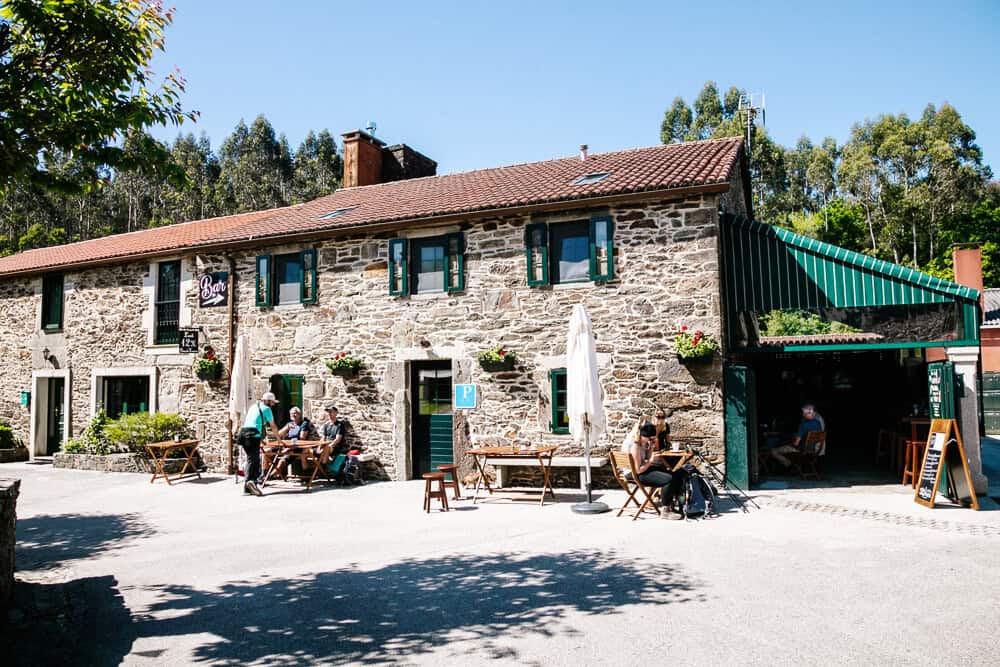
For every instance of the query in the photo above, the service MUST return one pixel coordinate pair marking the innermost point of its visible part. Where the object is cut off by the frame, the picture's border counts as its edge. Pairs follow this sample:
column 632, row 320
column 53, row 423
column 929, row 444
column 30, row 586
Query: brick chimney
column 368, row 161
column 968, row 262
column 362, row 159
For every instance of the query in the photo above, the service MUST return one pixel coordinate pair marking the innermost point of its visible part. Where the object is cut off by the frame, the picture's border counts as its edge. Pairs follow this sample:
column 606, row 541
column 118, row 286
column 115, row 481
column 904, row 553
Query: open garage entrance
column 869, row 373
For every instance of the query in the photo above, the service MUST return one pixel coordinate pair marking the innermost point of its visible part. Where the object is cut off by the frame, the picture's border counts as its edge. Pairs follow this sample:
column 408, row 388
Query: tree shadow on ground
column 79, row 622
column 47, row 541
column 409, row 608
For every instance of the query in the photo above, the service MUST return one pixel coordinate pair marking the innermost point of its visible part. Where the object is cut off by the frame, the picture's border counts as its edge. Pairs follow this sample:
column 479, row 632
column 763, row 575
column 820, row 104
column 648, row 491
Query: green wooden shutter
column 262, row 286
column 559, row 423
column 454, row 262
column 536, row 248
column 307, row 286
column 398, row 269
column 601, row 249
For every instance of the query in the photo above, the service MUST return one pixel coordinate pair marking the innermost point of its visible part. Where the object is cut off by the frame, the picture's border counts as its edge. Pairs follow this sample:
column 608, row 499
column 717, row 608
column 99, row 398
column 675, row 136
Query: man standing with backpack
column 250, row 436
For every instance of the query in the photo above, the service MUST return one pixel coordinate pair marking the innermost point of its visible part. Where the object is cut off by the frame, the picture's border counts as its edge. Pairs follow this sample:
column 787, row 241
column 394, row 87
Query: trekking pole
column 723, row 479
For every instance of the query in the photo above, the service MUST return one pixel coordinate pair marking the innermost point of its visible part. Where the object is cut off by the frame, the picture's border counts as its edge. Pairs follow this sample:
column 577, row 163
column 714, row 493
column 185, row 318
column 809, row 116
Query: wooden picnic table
column 160, row 451
column 541, row 455
column 304, row 450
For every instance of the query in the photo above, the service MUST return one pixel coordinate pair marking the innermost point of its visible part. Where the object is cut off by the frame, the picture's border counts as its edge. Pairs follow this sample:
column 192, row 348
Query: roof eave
column 342, row 229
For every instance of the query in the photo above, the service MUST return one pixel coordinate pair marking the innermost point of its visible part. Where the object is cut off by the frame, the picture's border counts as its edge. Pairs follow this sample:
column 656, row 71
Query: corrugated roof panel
column 769, row 268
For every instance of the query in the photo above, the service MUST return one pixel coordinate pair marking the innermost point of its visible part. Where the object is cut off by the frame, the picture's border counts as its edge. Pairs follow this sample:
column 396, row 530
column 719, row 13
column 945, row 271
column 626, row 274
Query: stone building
column 414, row 275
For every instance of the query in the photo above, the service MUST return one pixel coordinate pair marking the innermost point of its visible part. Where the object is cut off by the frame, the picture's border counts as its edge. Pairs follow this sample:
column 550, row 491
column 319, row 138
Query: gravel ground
column 112, row 569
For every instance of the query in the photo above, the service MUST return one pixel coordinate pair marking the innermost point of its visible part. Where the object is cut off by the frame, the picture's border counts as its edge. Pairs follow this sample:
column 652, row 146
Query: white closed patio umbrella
column 584, row 401
column 240, row 386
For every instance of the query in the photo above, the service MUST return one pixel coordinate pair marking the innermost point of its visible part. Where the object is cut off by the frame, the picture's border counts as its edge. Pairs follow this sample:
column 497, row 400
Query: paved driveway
column 113, row 569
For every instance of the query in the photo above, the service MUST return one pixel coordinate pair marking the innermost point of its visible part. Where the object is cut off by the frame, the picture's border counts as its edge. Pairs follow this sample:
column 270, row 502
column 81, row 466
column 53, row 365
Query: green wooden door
column 55, row 416
column 432, row 420
column 740, row 391
column 991, row 402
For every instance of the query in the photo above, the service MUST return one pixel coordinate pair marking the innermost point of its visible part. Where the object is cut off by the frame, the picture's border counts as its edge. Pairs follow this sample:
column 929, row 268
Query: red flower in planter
column 503, row 352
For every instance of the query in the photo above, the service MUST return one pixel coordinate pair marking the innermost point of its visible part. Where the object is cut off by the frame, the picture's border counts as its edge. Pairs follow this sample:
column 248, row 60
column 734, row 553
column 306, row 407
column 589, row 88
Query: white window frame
column 97, row 389
column 149, row 291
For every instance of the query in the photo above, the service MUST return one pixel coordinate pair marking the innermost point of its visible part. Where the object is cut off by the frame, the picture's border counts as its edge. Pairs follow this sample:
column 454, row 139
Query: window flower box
column 207, row 367
column 694, row 347
column 497, row 359
column 344, row 365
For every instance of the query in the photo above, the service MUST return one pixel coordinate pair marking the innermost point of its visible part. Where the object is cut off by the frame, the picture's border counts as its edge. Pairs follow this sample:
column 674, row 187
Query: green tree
column 707, row 112
column 74, row 75
column 317, row 167
column 677, row 121
column 255, row 170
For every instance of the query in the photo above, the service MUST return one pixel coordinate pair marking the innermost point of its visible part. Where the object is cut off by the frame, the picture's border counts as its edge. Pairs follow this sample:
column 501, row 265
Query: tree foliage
column 899, row 189
column 74, row 76
column 256, row 169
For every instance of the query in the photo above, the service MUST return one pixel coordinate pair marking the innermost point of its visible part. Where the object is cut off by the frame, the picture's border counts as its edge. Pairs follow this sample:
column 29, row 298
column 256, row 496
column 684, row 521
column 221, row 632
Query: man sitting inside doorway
column 811, row 421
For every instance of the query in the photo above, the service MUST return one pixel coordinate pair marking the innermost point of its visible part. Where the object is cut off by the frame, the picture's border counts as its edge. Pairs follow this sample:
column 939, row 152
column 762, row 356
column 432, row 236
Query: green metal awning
column 768, row 268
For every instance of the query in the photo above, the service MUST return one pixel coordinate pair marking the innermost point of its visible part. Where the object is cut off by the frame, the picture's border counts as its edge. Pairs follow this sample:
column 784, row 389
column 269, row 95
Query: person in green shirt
column 258, row 417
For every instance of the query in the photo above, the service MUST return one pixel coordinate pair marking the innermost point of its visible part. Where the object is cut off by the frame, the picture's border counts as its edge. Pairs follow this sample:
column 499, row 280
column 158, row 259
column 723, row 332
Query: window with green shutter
column 286, row 279
column 262, row 285
column 308, row 286
column 560, row 417
column 536, row 248
column 429, row 264
column 570, row 252
column 398, row 269
column 52, row 302
column 601, row 251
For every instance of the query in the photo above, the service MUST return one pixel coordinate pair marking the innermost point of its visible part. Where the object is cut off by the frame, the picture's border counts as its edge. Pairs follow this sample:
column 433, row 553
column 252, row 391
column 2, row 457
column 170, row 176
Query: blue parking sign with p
column 465, row 396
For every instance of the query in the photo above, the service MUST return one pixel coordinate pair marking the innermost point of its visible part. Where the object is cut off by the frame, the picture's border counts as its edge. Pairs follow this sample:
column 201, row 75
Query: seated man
column 297, row 428
column 811, row 421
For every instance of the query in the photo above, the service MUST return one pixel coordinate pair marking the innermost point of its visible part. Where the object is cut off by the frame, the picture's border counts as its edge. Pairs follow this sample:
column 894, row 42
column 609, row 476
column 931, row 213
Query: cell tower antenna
column 750, row 107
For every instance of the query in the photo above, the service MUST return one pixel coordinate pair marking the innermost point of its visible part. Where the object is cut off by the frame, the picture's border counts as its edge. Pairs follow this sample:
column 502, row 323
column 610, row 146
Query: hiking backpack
column 697, row 499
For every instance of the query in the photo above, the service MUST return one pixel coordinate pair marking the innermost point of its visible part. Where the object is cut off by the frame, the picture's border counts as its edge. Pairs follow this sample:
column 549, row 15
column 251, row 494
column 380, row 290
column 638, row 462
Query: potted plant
column 344, row 364
column 497, row 359
column 694, row 346
column 207, row 367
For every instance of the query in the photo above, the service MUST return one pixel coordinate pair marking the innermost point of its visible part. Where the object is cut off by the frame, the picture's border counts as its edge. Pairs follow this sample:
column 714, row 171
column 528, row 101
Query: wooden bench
column 579, row 462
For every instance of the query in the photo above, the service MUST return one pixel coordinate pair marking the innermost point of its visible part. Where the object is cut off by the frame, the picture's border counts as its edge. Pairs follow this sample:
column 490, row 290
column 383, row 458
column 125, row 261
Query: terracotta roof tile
column 666, row 167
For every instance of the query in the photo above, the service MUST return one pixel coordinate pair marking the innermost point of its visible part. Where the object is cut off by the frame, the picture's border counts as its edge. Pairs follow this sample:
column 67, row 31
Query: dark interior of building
column 857, row 393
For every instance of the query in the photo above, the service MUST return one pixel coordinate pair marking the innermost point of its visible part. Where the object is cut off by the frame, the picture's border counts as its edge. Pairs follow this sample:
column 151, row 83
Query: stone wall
column 666, row 274
column 114, row 463
column 9, row 489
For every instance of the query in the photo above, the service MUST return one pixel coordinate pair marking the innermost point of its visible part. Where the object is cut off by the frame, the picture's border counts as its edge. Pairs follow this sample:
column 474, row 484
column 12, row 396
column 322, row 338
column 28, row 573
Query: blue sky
column 481, row 84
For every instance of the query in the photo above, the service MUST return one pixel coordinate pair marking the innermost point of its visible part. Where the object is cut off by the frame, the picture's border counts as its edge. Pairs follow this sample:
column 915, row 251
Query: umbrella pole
column 589, row 507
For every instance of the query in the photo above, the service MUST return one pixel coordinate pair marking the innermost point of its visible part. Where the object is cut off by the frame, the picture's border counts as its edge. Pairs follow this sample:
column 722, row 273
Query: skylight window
column 335, row 214
column 590, row 179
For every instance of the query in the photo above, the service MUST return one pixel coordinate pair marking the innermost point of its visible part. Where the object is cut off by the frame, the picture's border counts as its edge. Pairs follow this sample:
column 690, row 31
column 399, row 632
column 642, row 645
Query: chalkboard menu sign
column 188, row 340
column 945, row 454
column 213, row 289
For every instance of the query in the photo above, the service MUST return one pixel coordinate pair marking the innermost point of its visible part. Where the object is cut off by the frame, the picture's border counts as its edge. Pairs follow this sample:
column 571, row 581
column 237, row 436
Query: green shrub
column 7, row 438
column 92, row 440
column 128, row 433
column 131, row 433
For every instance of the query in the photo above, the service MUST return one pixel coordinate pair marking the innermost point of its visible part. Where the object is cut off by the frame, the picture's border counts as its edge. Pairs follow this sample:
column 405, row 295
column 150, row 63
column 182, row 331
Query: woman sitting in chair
column 652, row 469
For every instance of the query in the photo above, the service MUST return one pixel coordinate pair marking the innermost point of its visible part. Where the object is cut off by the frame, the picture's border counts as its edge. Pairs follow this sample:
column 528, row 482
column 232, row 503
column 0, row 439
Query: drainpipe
column 231, row 283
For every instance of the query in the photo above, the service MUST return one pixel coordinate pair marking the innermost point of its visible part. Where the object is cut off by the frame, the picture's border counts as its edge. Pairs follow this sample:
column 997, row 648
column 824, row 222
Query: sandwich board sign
column 466, row 397
column 945, row 454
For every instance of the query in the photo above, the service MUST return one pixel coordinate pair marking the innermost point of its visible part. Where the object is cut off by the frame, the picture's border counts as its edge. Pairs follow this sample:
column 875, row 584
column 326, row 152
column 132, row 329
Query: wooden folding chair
column 813, row 448
column 319, row 464
column 631, row 485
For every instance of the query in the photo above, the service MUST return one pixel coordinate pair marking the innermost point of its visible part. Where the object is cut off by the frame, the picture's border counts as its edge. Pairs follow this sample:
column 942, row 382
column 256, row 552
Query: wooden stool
column 452, row 469
column 911, row 461
column 440, row 493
